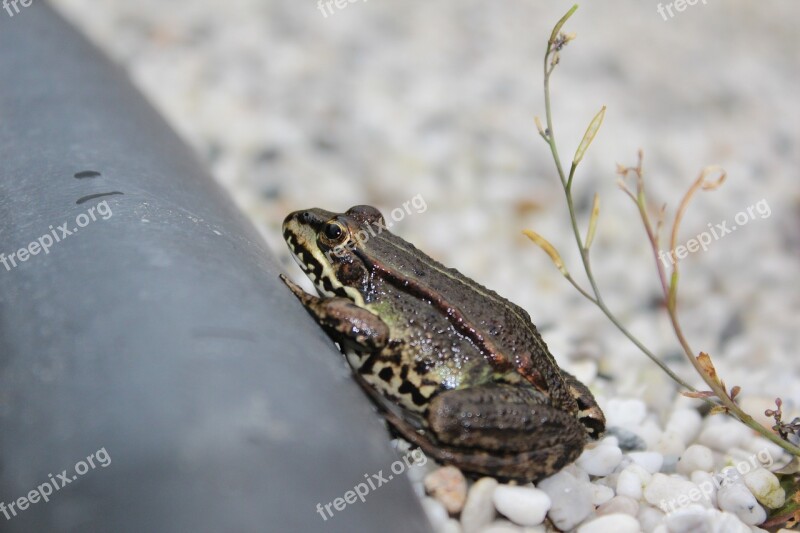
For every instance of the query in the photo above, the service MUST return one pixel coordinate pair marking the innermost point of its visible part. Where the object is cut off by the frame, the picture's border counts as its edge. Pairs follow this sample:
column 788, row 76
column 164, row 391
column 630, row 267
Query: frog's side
column 460, row 371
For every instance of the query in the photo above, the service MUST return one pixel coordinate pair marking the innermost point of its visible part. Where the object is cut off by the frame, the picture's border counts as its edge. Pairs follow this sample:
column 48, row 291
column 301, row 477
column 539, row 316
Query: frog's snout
column 295, row 218
column 312, row 219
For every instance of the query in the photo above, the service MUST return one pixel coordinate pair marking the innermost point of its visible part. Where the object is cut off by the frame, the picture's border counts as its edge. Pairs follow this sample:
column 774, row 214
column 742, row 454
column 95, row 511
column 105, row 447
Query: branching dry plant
column 722, row 399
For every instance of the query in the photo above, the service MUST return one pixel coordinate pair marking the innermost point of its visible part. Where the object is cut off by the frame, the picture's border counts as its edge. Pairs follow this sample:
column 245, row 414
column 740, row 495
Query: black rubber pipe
column 152, row 367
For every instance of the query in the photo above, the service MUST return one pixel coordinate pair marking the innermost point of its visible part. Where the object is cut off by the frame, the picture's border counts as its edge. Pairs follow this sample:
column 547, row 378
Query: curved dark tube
column 153, row 369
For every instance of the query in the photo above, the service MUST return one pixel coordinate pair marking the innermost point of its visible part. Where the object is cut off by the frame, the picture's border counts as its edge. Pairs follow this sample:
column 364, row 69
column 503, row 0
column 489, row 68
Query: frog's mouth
column 300, row 230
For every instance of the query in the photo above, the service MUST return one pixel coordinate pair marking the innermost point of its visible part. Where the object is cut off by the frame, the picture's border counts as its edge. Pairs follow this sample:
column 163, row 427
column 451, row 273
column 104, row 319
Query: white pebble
column 584, row 370
column 725, row 435
column 571, row 499
column 650, row 432
column 632, row 481
column 686, row 423
column 672, row 492
column 451, row 526
column 601, row 494
column 478, row 509
column 576, row 472
column 691, row 518
column 766, row 452
column 735, row 498
column 600, row 460
column 501, row 526
column 650, row 461
column 708, row 485
column 670, row 443
column 525, row 506
column 695, row 457
column 766, row 487
column 448, row 486
column 627, row 413
column 729, row 523
column 437, row 514
column 618, row 523
column 619, row 504
column 650, row 518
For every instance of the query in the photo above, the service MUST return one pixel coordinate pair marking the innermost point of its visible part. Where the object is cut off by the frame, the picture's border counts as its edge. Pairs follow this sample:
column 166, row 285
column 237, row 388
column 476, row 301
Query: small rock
column 686, row 423
column 737, row 499
column 525, row 506
column 478, row 510
column 695, row 457
column 669, row 466
column 618, row 523
column 627, row 413
column 600, row 460
column 766, row 487
column 601, row 494
column 722, row 436
column 691, row 518
column 628, row 440
column 451, row 526
column 650, row 461
column 766, row 453
column 669, row 493
column 437, row 514
column 650, row 517
column 632, row 481
column 708, row 485
column 577, row 472
column 584, row 370
column 448, row 486
column 619, row 504
column 670, row 443
column 650, row 432
column 728, row 523
column 501, row 526
column 571, row 499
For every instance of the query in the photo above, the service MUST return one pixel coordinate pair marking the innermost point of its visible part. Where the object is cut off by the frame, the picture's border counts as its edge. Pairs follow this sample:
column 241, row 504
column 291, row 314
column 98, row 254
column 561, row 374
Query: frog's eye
column 334, row 232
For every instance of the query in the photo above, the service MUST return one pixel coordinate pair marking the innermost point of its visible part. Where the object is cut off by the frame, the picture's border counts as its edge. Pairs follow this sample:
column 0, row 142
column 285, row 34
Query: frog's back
column 499, row 329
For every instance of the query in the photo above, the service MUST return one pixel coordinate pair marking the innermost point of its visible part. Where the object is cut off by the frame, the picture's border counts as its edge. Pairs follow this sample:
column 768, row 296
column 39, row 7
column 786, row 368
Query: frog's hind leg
column 504, row 431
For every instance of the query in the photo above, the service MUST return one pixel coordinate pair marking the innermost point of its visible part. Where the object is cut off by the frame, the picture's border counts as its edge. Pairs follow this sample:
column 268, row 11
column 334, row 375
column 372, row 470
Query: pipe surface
column 145, row 327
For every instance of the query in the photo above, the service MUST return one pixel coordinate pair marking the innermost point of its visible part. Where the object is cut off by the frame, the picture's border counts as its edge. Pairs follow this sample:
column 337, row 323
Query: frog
column 456, row 369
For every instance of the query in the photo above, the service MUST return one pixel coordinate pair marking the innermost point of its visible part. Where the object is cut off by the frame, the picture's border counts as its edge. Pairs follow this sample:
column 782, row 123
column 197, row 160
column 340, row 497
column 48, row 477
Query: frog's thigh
column 505, row 420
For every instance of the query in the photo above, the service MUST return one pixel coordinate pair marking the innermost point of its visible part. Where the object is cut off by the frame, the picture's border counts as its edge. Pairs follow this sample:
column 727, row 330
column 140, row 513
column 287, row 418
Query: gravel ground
column 385, row 101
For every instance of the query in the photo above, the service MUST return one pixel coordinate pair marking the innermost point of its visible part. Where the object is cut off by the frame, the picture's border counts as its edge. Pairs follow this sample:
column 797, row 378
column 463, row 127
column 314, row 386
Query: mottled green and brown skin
column 459, row 370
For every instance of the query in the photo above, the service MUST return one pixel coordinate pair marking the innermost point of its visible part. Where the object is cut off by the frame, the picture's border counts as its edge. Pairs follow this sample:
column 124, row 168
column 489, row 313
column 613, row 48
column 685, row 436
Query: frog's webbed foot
column 343, row 321
column 502, row 431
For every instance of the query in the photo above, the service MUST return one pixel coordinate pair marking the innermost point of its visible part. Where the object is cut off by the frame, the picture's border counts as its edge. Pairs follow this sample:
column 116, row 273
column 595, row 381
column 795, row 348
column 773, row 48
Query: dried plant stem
column 595, row 297
column 718, row 396
column 703, row 366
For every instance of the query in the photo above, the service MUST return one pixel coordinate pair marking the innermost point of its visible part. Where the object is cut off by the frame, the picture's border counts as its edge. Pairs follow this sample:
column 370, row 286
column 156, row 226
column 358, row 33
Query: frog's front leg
column 343, row 321
column 504, row 431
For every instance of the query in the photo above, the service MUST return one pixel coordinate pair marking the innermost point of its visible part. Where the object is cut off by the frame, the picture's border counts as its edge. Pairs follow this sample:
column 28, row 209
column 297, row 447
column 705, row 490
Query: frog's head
column 331, row 247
